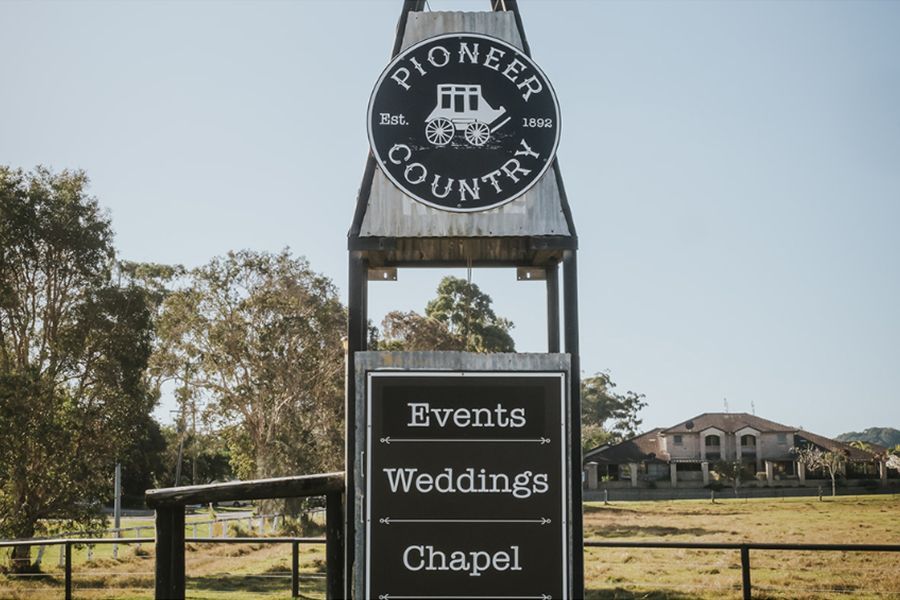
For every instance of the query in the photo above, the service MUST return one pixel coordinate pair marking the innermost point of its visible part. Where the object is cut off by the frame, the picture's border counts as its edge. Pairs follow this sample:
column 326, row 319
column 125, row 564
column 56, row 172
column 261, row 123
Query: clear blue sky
column 733, row 170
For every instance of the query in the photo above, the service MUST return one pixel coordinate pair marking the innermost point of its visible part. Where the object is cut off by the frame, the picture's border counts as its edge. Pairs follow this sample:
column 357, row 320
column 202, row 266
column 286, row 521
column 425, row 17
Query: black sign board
column 463, row 122
column 465, row 485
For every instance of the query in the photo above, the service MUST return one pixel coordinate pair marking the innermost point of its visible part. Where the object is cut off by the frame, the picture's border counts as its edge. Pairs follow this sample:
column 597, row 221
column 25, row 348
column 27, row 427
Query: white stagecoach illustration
column 461, row 107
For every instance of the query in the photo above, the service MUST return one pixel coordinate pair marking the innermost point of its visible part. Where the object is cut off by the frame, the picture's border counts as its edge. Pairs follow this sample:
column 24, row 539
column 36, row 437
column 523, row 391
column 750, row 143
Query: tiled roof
column 729, row 423
column 835, row 446
column 637, row 449
column 646, row 446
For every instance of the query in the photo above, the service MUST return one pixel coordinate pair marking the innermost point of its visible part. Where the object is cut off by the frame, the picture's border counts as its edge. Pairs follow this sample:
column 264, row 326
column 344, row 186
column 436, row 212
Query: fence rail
column 170, row 503
column 744, row 549
column 67, row 544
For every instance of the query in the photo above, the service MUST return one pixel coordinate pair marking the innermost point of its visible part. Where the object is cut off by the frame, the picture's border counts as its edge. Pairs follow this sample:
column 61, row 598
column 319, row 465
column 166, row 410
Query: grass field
column 664, row 573
column 244, row 572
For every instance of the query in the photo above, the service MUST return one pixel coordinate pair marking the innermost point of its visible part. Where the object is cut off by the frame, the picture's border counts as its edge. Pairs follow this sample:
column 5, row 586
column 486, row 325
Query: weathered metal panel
column 423, row 25
column 391, row 213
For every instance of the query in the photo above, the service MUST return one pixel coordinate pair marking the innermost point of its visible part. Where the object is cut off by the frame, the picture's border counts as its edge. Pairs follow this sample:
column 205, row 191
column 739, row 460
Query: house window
column 712, row 440
column 748, row 440
column 782, row 439
column 678, row 440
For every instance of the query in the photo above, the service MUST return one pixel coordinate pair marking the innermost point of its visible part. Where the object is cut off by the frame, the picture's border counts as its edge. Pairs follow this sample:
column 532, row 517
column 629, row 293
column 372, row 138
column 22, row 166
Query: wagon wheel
column 477, row 133
column 439, row 131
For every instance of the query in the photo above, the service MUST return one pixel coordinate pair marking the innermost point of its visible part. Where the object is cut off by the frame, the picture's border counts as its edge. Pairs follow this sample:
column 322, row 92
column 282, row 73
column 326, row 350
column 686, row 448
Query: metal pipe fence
column 66, row 545
column 744, row 550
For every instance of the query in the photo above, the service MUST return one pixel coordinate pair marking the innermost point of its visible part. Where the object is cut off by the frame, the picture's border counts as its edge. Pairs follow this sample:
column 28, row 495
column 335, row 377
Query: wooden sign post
column 463, row 470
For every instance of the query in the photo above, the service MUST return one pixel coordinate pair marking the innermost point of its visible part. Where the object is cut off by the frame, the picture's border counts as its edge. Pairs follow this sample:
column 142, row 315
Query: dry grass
column 214, row 572
column 244, row 572
column 663, row 573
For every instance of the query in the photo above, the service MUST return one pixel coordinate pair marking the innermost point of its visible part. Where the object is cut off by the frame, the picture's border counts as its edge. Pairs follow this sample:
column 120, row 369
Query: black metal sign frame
column 499, row 430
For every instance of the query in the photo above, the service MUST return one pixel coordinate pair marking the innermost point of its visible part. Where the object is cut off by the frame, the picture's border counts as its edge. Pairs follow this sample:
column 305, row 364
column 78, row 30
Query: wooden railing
column 169, row 505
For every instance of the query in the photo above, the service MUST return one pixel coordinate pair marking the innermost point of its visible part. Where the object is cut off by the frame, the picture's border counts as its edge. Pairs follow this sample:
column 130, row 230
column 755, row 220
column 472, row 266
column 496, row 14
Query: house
column 685, row 454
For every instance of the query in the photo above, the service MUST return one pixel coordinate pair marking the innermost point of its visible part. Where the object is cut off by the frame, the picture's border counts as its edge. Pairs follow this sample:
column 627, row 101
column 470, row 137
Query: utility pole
column 180, row 455
column 117, row 507
column 181, row 425
column 194, row 441
column 117, row 503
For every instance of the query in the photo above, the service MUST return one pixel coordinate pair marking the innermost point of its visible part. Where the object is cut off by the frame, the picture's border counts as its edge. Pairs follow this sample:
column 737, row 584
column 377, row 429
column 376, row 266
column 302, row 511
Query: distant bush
column 238, row 530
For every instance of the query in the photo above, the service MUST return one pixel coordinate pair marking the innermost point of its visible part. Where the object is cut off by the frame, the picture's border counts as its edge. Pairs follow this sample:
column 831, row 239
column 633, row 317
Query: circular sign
column 463, row 122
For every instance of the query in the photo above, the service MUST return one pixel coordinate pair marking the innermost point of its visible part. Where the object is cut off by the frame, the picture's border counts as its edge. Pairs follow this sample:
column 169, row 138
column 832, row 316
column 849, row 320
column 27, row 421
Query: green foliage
column 143, row 463
column 412, row 332
column 211, row 450
column 466, row 312
column 593, row 436
column 255, row 340
column 606, row 415
column 882, row 436
column 74, row 347
column 460, row 317
column 730, row 470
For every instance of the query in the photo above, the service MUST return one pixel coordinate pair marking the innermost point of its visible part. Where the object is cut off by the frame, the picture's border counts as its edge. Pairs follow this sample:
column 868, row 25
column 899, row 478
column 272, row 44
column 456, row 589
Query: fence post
column 68, row 571
column 334, row 545
column 170, row 553
column 745, row 572
column 295, row 569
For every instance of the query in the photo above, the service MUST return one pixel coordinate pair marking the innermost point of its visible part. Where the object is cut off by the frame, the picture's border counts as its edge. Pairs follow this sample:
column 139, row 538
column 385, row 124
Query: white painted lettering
column 444, row 52
column 492, row 60
column 472, row 53
column 532, row 86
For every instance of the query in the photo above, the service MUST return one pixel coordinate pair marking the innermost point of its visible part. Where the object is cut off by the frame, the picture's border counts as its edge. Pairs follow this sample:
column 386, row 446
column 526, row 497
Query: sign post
column 459, row 465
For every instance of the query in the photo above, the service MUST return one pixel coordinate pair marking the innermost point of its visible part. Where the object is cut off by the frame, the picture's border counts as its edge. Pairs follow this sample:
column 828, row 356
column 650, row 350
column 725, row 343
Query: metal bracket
column 383, row 274
column 531, row 273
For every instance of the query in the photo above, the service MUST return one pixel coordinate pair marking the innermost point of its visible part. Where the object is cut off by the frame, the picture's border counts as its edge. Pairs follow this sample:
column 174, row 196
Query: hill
column 883, row 436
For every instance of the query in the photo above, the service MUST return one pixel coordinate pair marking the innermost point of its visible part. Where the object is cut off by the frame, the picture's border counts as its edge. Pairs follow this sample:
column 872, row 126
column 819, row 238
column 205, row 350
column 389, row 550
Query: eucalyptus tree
column 257, row 340
column 411, row 331
column 607, row 415
column 467, row 313
column 74, row 346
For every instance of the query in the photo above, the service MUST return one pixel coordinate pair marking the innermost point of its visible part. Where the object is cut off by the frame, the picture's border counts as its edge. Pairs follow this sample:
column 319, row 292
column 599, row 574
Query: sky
column 733, row 170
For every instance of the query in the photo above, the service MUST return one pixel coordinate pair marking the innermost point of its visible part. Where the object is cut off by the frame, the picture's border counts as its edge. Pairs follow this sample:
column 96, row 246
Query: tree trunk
column 833, row 486
column 20, row 557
